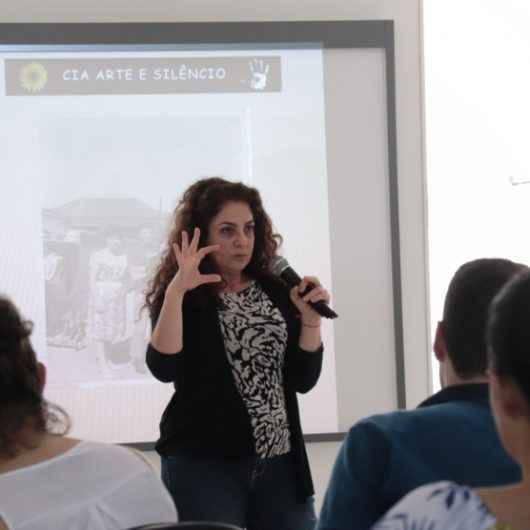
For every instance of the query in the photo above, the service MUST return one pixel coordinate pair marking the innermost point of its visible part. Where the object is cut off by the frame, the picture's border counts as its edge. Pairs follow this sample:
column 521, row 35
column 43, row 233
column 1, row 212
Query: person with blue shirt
column 451, row 506
column 450, row 436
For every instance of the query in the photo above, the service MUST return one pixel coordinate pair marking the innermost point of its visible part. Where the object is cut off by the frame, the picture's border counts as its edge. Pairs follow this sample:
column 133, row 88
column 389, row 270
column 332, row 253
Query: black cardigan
column 206, row 414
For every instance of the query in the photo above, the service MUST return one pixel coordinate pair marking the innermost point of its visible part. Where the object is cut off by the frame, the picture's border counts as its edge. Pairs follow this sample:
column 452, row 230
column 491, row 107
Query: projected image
column 100, row 247
column 95, row 277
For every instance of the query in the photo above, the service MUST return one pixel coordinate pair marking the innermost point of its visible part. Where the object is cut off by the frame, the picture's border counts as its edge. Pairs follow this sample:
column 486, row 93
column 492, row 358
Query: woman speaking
column 237, row 346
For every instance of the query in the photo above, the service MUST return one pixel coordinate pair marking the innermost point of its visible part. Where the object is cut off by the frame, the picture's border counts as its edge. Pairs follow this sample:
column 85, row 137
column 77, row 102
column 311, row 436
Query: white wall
column 406, row 15
column 476, row 99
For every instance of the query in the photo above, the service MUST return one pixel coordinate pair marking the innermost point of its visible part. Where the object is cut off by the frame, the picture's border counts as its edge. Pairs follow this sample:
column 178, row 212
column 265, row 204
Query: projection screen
column 105, row 125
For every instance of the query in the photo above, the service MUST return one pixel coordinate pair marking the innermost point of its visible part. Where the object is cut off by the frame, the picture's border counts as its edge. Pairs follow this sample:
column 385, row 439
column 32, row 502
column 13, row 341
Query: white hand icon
column 259, row 72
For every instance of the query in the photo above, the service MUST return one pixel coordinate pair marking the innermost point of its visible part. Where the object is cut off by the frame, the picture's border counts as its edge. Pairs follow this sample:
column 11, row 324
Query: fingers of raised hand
column 177, row 252
column 195, row 241
column 206, row 250
column 185, row 243
column 210, row 278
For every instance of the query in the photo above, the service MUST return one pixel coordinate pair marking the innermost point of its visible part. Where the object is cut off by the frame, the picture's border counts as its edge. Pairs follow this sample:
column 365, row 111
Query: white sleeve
column 143, row 458
column 141, row 499
column 438, row 506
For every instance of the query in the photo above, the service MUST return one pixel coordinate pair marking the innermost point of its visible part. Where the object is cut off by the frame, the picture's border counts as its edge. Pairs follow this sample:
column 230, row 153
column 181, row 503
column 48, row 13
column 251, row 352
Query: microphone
column 280, row 267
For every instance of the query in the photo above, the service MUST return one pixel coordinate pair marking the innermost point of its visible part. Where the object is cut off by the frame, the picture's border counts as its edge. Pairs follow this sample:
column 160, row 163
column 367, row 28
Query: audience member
column 450, row 506
column 49, row 481
column 450, row 436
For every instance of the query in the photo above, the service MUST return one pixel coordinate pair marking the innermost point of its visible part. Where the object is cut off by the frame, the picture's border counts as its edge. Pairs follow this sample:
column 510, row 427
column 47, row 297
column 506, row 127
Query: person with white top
column 49, row 481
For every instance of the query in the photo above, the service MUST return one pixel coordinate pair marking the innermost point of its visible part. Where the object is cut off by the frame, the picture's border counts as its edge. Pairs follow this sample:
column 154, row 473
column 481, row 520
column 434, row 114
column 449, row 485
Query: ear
column 41, row 374
column 439, row 347
column 508, row 397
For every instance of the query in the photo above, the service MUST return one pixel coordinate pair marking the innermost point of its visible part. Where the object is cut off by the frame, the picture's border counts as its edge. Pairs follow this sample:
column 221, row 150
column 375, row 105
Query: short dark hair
column 465, row 313
column 508, row 334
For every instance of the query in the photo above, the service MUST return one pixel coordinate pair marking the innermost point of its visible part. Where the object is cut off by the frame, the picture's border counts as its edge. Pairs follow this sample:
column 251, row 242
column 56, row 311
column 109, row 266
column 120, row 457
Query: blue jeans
column 251, row 493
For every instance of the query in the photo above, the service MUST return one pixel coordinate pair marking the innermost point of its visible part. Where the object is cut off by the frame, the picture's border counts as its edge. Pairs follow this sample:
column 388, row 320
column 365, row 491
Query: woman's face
column 233, row 230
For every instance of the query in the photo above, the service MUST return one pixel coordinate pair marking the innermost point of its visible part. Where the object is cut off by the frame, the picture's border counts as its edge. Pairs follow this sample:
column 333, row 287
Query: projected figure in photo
column 65, row 314
column 238, row 345
column 110, row 283
column 98, row 252
column 55, row 289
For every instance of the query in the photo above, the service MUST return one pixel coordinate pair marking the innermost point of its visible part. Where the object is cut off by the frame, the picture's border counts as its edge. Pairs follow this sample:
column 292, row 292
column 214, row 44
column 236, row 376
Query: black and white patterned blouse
column 255, row 338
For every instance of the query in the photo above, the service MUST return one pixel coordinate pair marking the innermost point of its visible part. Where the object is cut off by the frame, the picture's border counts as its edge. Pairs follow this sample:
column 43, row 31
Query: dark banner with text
column 58, row 77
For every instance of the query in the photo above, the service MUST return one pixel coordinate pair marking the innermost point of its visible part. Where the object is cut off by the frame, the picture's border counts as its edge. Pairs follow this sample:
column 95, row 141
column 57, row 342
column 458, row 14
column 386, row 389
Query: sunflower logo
column 33, row 77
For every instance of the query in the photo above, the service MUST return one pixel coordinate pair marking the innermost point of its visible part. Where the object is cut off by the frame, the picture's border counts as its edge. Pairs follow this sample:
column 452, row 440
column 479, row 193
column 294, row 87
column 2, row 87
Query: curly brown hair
column 199, row 204
column 21, row 402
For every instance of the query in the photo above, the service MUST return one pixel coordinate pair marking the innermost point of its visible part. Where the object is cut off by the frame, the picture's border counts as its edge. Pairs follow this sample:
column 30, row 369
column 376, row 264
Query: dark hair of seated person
column 509, row 333
column 465, row 312
column 23, row 410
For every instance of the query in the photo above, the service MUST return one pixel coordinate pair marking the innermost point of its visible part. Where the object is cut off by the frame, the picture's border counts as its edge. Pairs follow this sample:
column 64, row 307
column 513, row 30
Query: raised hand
column 189, row 257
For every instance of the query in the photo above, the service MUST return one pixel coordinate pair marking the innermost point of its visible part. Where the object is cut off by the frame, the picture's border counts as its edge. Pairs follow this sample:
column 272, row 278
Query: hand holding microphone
column 307, row 294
